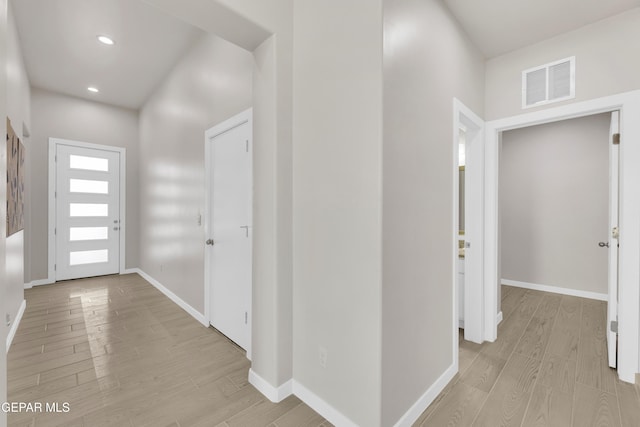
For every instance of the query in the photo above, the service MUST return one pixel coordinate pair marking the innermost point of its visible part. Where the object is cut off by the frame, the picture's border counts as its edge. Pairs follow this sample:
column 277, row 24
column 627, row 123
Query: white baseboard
column 427, row 398
column 173, row 297
column 498, row 320
column 331, row 414
column 278, row 394
column 38, row 282
column 556, row 290
column 274, row 394
column 41, row 282
column 316, row 403
column 15, row 324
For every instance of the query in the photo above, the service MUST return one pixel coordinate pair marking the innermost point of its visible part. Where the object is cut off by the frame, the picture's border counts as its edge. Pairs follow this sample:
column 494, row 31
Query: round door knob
column 603, row 244
column 209, row 242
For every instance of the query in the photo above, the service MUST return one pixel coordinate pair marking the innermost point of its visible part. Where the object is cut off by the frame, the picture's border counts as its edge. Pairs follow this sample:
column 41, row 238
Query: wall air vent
column 548, row 83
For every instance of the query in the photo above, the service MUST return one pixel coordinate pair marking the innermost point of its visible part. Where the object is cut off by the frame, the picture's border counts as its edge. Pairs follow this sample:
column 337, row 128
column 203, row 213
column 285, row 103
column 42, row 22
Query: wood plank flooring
column 548, row 367
column 122, row 354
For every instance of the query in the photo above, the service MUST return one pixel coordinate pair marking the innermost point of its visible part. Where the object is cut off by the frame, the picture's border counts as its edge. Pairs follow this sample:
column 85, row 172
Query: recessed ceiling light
column 93, row 89
column 106, row 40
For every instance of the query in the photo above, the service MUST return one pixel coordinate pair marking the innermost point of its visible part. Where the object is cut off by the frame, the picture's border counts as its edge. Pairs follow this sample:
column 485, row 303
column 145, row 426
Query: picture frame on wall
column 15, row 182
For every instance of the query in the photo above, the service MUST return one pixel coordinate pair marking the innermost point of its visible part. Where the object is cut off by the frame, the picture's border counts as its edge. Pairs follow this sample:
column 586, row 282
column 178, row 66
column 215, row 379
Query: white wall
column 337, row 159
column 19, row 112
column 607, row 62
column 337, row 175
column 428, row 60
column 3, row 206
column 266, row 28
column 554, row 196
column 273, row 215
column 60, row 116
column 211, row 83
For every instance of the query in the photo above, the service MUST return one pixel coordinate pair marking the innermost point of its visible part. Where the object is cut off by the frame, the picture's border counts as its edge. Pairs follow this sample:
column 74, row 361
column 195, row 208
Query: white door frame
column 466, row 119
column 629, row 273
column 235, row 121
column 53, row 142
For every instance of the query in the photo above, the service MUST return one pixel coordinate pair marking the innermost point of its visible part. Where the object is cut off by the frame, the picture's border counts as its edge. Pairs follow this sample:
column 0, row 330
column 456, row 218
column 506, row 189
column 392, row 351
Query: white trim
column 331, row 414
column 130, row 271
column 556, row 290
column 51, row 253
column 274, row 394
column 498, row 321
column 427, row 398
column 39, row 282
column 52, row 201
column 123, row 209
column 319, row 405
column 15, row 324
column 231, row 123
column 628, row 104
column 173, row 297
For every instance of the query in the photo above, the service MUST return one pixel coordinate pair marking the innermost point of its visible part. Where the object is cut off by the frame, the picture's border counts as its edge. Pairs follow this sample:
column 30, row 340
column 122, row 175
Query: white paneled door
column 229, row 230
column 87, row 203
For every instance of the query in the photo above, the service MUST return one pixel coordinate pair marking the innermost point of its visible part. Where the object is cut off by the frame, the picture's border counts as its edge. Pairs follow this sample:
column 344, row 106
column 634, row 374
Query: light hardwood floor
column 548, row 367
column 122, row 354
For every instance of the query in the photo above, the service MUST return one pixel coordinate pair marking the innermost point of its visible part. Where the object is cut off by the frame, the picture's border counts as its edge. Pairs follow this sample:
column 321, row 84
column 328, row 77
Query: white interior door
column 87, row 195
column 614, row 177
column 230, row 233
column 473, row 234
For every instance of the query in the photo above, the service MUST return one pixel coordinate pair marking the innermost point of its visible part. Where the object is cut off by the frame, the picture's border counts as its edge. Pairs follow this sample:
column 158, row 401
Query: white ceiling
column 500, row 26
column 62, row 53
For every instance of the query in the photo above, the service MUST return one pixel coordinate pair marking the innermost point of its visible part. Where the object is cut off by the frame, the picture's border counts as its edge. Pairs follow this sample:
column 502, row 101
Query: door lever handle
column 603, row 244
column 209, row 242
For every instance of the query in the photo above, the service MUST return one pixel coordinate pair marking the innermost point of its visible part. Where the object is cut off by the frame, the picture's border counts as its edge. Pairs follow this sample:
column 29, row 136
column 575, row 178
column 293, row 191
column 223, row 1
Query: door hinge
column 55, row 267
column 616, row 138
column 246, row 317
column 614, row 326
column 55, row 231
column 247, row 145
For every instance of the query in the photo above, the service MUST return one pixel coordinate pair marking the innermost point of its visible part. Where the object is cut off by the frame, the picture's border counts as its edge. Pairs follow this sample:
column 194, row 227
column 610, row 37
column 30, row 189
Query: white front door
column 87, row 209
column 614, row 177
column 230, row 231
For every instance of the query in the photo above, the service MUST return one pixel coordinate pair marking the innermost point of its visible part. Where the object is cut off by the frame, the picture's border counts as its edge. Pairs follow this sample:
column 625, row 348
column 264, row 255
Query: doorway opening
column 628, row 105
column 558, row 197
column 468, row 233
column 461, row 196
